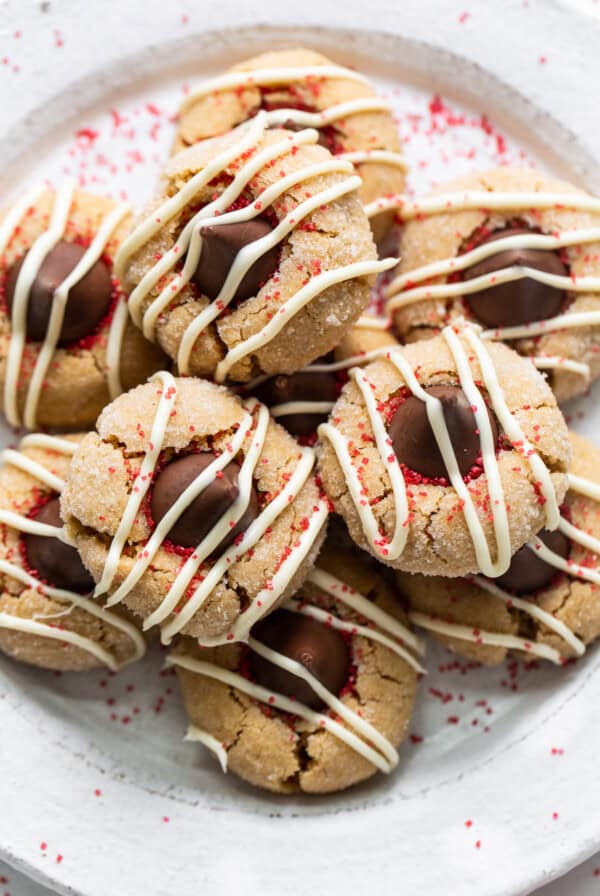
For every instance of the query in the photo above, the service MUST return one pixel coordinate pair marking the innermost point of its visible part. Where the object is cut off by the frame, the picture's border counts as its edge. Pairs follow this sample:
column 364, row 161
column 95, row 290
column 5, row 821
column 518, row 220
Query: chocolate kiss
column 319, row 648
column 220, row 246
column 88, row 301
column 301, row 386
column 55, row 562
column 413, row 440
column 205, row 511
column 522, row 301
column 528, row 571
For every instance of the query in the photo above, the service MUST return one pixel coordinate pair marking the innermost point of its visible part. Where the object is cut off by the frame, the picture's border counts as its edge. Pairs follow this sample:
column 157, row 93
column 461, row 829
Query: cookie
column 546, row 605
column 301, row 88
column 46, row 619
column 255, row 258
column 447, row 456
column 518, row 253
column 302, row 401
column 66, row 344
column 321, row 696
column 196, row 511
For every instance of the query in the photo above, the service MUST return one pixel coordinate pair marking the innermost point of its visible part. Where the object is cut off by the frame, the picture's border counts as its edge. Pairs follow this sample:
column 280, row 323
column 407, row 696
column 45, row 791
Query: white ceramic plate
column 497, row 789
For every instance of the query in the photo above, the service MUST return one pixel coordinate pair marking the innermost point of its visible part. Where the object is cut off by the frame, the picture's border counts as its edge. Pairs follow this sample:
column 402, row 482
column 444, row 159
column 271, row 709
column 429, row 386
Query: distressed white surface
column 582, row 881
column 59, row 742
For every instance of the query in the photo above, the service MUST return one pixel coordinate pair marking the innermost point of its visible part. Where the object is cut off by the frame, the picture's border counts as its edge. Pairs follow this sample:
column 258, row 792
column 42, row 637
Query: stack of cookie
column 279, row 483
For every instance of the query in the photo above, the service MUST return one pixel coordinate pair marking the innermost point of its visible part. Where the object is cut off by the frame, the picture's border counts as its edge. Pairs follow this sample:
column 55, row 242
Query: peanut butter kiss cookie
column 519, row 254
column 321, row 695
column 300, row 88
column 45, row 617
column 66, row 344
column 302, row 401
column 256, row 258
column 196, row 511
column 546, row 604
column 447, row 456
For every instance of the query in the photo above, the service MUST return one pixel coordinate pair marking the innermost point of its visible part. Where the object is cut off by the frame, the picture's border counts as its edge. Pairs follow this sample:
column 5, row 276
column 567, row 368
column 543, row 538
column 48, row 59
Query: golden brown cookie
column 66, row 343
column 466, row 506
column 277, row 251
column 542, row 234
column 199, row 513
column 271, row 727
column 351, row 119
column 545, row 606
column 47, row 616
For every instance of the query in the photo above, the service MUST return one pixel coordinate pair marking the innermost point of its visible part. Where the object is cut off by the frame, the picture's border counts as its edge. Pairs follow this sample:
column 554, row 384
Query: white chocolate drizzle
column 268, row 77
column 393, row 547
column 69, row 598
column 536, row 612
column 286, row 408
column 33, row 261
column 590, row 490
column 405, row 289
column 557, row 362
column 336, row 113
column 211, row 743
column 482, row 636
column 384, row 629
column 251, row 432
column 482, row 200
column 286, row 75
column 352, row 361
column 372, row 322
column 376, row 156
column 188, row 244
column 584, row 486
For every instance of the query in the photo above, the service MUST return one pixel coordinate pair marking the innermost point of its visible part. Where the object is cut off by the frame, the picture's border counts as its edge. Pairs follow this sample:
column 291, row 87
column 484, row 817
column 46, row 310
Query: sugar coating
column 75, row 388
column 439, row 542
column 20, row 493
column 333, row 236
column 443, row 236
column 205, row 417
column 219, row 112
column 272, row 750
column 571, row 601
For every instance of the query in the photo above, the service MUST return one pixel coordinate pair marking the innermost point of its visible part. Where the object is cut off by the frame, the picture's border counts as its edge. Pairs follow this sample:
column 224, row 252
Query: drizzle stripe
column 486, row 250
column 481, row 636
column 31, row 265
column 481, row 200
column 551, row 362
column 211, row 743
column 331, row 114
column 527, row 606
column 342, row 625
column 342, row 592
column 142, row 481
column 267, row 77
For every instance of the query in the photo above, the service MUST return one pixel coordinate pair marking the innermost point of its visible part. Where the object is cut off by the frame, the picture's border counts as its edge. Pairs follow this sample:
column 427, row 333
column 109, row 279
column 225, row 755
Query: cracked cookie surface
column 204, row 417
column 284, row 753
column 368, row 130
column 568, row 598
column 451, row 232
column 271, row 331
column 437, row 537
column 35, row 626
column 76, row 384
